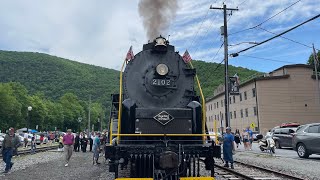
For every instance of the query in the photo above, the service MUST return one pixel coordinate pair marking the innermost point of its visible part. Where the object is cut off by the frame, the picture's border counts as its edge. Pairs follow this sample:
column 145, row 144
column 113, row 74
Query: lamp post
column 99, row 124
column 79, row 121
column 29, row 110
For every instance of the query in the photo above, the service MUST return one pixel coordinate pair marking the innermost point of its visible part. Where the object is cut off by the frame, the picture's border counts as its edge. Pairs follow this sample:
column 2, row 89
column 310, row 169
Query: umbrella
column 33, row 131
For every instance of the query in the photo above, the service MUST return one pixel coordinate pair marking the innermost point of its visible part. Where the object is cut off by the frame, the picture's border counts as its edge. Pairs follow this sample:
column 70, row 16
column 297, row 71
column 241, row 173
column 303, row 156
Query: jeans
column 7, row 155
column 33, row 148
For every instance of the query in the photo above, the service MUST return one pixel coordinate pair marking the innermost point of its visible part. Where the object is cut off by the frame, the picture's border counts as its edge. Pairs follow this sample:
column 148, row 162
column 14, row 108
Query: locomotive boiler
column 157, row 125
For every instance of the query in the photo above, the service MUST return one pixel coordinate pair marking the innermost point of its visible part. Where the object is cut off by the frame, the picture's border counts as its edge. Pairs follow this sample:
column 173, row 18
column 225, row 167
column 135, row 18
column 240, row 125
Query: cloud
column 101, row 32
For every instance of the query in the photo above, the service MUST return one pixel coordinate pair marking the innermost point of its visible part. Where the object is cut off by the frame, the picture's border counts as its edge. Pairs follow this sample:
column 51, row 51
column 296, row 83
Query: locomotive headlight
column 162, row 69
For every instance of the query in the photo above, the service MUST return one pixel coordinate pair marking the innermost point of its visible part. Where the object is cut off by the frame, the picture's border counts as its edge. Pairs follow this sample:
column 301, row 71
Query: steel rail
column 270, row 171
column 28, row 151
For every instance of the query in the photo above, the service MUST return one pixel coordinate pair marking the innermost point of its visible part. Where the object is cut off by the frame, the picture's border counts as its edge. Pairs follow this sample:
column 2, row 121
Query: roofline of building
column 293, row 66
column 250, row 81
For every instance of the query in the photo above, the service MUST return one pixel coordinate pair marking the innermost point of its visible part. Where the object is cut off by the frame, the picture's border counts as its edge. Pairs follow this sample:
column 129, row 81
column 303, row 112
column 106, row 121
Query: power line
column 194, row 39
column 311, row 19
column 286, row 38
column 266, row 19
column 267, row 59
column 217, row 53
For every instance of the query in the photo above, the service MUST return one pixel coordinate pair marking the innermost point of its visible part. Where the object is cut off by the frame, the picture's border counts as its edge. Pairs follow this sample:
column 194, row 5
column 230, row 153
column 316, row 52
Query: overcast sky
column 101, row 32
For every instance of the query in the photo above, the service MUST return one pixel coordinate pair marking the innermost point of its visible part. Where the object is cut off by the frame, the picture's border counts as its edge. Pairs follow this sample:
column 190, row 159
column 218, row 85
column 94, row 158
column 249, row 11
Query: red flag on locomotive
column 186, row 57
column 130, row 55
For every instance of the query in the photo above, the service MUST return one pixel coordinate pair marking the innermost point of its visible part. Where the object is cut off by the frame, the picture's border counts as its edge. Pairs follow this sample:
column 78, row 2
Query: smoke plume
column 157, row 16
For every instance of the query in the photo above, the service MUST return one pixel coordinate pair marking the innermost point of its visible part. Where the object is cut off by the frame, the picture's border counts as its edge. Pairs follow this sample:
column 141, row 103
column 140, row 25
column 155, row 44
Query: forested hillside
column 58, row 89
column 210, row 80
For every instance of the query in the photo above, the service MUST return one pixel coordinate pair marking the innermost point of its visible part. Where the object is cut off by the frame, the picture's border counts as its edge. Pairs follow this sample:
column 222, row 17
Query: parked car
column 306, row 140
column 283, row 136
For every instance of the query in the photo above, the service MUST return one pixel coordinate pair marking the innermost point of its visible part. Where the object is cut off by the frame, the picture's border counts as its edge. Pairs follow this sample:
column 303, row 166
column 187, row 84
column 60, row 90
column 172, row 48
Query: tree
column 10, row 108
column 72, row 109
column 311, row 59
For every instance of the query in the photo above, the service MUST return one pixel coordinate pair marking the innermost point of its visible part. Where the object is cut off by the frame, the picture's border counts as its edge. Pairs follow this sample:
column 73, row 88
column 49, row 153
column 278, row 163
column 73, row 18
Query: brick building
column 287, row 94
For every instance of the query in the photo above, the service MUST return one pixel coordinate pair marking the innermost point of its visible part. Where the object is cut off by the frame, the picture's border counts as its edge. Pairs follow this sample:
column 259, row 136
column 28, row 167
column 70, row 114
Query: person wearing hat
column 9, row 144
column 228, row 148
column 68, row 141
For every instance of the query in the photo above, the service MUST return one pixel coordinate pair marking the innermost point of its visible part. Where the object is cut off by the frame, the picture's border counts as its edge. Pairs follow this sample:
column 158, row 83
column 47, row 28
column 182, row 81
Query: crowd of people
column 68, row 142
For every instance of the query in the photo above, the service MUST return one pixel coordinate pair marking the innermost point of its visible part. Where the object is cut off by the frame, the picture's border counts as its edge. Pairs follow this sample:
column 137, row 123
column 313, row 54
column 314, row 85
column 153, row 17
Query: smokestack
column 157, row 16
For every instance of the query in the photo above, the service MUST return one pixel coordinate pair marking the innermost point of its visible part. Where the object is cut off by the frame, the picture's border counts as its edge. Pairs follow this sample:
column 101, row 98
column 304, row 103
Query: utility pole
column 89, row 114
column 226, row 81
column 315, row 62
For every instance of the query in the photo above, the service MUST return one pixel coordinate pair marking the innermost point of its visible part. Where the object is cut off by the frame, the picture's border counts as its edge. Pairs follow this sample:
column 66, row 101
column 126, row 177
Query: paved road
column 284, row 152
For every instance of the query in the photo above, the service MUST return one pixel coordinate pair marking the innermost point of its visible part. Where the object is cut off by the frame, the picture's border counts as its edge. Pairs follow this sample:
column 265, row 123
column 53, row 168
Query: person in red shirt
column 68, row 141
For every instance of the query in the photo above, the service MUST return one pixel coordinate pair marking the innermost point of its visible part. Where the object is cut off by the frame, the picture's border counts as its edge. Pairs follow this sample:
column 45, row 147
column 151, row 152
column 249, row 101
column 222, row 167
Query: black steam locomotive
column 157, row 126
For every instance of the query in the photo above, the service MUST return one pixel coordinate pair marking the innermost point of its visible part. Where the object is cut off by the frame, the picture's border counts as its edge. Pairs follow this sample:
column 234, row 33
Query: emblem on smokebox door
column 163, row 118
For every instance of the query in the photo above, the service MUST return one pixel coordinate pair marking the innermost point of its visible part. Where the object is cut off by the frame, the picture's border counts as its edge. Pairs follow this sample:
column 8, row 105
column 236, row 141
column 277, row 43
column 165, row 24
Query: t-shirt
column 68, row 139
column 25, row 135
column 96, row 141
column 250, row 133
column 228, row 139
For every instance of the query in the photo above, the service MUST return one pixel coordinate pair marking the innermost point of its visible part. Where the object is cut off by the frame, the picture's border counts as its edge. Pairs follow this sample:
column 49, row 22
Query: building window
column 230, row 100
column 218, row 117
column 221, row 116
column 235, row 114
column 255, row 111
column 222, row 103
column 245, row 95
column 214, row 105
column 234, row 99
column 230, row 115
column 254, row 92
column 247, row 114
column 215, row 117
column 241, row 113
column 217, row 104
column 240, row 96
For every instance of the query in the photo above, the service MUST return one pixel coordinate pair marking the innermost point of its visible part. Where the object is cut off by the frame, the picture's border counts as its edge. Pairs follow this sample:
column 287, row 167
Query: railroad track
column 250, row 172
column 28, row 151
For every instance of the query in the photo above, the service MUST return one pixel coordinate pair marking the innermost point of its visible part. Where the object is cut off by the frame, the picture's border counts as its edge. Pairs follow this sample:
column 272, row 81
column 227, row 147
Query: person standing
column 68, row 141
column 96, row 148
column 9, row 144
column 245, row 138
column 237, row 138
column 250, row 137
column 91, row 139
column 76, row 143
column 33, row 144
column 84, row 143
column 25, row 139
column 228, row 148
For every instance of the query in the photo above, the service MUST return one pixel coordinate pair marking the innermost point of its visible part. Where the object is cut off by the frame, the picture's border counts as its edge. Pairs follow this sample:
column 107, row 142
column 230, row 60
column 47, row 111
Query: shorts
column 250, row 140
column 245, row 140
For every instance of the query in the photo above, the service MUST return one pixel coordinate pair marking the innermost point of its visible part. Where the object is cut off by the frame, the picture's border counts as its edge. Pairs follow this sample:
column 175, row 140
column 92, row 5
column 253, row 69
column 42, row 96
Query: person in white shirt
column 25, row 139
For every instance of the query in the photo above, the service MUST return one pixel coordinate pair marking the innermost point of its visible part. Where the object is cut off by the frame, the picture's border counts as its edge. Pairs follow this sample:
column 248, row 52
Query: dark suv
column 283, row 136
column 306, row 140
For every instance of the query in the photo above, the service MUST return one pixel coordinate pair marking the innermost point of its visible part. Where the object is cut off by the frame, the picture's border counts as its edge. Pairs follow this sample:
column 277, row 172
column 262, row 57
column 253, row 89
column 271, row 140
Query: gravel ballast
column 50, row 165
column 303, row 168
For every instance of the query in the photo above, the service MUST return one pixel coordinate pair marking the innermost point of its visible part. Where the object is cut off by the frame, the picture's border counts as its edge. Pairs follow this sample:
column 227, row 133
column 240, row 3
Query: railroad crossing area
column 48, row 163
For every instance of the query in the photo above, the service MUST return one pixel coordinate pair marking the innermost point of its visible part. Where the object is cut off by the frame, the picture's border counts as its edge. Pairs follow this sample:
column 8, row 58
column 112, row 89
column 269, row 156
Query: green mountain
column 54, row 76
column 211, row 75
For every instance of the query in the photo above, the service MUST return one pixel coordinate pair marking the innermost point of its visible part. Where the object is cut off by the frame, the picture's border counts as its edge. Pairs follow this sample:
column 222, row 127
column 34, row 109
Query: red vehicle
column 290, row 124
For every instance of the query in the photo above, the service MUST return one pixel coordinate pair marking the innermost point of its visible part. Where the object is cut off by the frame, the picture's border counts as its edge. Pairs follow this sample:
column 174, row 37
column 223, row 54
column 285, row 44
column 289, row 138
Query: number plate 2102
column 161, row 82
